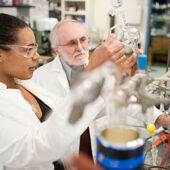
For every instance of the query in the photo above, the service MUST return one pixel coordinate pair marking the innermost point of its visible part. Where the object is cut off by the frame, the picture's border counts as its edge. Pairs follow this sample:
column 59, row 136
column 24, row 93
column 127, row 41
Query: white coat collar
column 61, row 78
column 43, row 94
column 56, row 65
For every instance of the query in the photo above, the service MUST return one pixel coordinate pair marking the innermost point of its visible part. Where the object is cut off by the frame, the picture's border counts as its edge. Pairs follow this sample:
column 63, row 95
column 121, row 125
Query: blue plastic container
column 120, row 148
column 142, row 62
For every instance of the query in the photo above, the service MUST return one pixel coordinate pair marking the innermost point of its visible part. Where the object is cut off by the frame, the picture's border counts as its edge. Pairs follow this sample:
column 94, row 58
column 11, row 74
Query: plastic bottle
column 154, row 150
column 142, row 63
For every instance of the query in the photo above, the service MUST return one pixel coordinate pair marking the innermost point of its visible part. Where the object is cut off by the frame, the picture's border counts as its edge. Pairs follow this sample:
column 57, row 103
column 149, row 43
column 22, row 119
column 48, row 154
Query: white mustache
column 79, row 53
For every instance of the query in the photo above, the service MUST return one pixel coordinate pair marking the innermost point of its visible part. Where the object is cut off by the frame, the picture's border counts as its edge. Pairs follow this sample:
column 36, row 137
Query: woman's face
column 13, row 63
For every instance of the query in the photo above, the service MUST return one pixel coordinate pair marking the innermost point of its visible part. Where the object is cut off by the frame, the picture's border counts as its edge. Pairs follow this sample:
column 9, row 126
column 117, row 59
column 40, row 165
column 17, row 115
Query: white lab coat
column 27, row 144
column 52, row 77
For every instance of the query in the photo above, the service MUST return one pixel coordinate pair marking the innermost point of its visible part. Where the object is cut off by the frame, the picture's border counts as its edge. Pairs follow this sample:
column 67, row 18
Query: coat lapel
column 61, row 78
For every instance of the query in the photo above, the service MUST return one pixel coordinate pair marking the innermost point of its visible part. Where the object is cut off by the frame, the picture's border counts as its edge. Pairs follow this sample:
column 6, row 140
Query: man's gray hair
column 54, row 33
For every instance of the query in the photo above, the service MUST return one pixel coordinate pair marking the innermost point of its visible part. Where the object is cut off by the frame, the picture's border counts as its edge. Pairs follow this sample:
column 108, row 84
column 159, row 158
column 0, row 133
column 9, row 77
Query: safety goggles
column 27, row 51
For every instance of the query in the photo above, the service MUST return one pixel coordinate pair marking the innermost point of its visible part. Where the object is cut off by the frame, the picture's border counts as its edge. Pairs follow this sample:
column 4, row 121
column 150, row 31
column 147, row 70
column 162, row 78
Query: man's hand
column 130, row 65
column 105, row 52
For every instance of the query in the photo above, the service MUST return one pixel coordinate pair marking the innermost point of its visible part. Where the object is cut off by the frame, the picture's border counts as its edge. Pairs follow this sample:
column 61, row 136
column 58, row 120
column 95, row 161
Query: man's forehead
column 71, row 24
column 70, row 31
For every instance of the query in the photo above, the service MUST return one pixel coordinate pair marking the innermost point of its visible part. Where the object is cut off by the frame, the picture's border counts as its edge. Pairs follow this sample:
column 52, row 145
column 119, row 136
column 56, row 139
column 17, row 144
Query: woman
column 34, row 130
column 25, row 141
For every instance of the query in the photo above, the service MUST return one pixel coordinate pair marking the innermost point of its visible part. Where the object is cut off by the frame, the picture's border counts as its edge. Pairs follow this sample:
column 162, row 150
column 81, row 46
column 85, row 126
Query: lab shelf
column 79, row 10
column 22, row 11
column 19, row 6
column 74, row 13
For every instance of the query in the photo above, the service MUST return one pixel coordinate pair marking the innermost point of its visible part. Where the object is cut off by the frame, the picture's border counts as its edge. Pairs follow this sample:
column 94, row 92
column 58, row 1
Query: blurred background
column 150, row 17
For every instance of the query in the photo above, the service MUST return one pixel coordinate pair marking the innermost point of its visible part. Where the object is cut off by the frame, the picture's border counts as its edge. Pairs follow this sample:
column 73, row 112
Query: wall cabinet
column 79, row 10
column 158, row 49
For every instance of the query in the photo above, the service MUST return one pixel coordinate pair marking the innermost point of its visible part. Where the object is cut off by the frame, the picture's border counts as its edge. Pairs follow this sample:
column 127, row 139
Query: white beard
column 75, row 59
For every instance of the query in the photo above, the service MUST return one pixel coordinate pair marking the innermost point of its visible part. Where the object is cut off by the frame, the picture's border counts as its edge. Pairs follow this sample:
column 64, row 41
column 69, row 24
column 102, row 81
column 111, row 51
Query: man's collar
column 71, row 73
column 66, row 68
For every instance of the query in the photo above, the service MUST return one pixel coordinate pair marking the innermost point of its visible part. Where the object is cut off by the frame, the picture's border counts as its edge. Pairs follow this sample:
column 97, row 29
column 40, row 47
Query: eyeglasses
column 74, row 43
column 27, row 51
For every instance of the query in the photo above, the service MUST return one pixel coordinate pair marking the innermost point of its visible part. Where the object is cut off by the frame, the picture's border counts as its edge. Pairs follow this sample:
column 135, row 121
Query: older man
column 70, row 43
